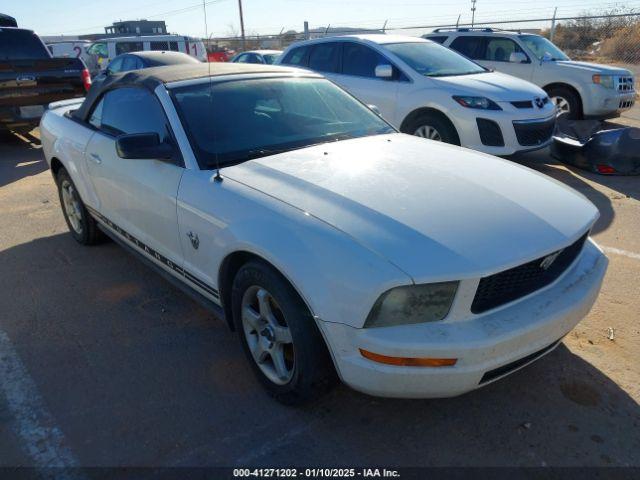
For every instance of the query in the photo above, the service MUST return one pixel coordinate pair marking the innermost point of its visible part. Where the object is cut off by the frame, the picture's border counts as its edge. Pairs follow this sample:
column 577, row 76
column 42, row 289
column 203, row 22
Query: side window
column 253, row 58
column 471, row 47
column 173, row 46
column 325, row 57
column 116, row 65
column 159, row 45
column 500, row 49
column 242, row 58
column 126, row 47
column 96, row 116
column 360, row 60
column 439, row 39
column 132, row 110
column 129, row 63
column 297, row 56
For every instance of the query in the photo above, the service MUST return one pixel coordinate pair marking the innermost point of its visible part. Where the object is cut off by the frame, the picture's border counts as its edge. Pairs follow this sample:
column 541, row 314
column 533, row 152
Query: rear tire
column 279, row 335
column 82, row 225
column 434, row 127
column 567, row 102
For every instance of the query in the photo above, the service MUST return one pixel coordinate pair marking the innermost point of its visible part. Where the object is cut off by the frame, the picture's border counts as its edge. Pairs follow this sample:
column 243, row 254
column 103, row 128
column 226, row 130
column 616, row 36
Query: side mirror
column 518, row 57
column 547, row 57
column 384, row 71
column 374, row 109
column 143, row 146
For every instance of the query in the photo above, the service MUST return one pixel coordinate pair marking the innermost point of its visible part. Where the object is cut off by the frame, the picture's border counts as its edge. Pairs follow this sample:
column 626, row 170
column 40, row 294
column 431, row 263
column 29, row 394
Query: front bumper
column 607, row 103
column 481, row 343
column 468, row 121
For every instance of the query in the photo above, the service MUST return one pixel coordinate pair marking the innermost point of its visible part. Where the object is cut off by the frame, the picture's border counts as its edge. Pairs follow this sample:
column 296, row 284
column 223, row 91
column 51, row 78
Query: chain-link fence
column 612, row 38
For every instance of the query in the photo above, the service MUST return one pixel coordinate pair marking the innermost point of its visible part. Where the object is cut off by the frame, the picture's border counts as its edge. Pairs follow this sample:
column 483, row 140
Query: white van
column 73, row 49
column 107, row 49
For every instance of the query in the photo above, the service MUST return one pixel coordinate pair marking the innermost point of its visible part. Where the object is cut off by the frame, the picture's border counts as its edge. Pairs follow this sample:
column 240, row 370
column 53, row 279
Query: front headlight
column 481, row 103
column 605, row 80
column 412, row 304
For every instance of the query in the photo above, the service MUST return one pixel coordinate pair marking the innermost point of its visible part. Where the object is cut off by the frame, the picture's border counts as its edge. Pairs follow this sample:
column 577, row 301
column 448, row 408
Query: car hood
column 499, row 87
column 436, row 211
column 593, row 68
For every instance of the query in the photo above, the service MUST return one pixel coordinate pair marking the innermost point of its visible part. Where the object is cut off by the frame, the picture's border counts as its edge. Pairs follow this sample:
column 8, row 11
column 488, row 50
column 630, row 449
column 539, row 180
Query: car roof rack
column 473, row 29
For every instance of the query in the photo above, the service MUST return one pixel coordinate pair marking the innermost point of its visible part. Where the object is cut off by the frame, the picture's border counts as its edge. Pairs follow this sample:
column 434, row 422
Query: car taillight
column 605, row 169
column 86, row 79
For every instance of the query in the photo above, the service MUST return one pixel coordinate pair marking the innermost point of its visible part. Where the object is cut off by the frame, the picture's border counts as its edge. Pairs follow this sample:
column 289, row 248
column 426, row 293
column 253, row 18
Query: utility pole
column 244, row 40
column 553, row 25
column 473, row 12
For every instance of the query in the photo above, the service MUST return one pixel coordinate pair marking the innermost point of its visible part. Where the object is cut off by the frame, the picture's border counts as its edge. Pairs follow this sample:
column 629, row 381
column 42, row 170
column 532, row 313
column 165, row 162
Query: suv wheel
column 434, row 127
column 279, row 335
column 566, row 101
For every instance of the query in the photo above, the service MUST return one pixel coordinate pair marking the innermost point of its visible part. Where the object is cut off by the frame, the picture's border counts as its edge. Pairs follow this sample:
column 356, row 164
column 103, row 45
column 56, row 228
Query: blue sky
column 73, row 17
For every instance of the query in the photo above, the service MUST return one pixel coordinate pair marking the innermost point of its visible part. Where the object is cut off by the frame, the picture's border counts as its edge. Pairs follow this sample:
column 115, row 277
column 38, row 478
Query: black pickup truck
column 30, row 79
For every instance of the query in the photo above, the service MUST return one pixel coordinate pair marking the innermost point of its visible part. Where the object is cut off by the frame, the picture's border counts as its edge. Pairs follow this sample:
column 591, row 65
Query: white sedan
column 330, row 242
column 427, row 90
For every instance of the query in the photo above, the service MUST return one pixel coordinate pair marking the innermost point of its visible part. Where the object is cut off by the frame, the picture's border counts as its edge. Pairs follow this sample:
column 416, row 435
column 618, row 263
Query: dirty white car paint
column 347, row 221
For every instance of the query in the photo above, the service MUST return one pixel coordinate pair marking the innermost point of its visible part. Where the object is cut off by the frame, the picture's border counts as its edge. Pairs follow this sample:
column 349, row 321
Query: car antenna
column 217, row 177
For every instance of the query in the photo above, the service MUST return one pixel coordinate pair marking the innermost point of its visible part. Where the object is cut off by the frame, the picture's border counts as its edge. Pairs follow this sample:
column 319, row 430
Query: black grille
column 504, row 287
column 534, row 133
column 523, row 104
column 510, row 367
column 490, row 133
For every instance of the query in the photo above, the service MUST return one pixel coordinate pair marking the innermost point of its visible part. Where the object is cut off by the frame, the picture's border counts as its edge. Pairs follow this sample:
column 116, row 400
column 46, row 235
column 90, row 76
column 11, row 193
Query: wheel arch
column 230, row 266
column 56, row 165
column 571, row 88
column 413, row 115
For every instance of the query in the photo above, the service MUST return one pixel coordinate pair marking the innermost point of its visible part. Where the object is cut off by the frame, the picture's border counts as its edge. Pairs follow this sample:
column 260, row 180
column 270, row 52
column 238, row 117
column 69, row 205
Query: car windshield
column 16, row 44
column 540, row 45
column 433, row 60
column 270, row 58
column 99, row 49
column 234, row 121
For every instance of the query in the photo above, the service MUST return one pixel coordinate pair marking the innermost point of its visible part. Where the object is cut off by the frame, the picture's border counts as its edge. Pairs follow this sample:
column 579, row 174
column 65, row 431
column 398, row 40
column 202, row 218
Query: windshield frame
column 429, row 44
column 522, row 37
column 266, row 151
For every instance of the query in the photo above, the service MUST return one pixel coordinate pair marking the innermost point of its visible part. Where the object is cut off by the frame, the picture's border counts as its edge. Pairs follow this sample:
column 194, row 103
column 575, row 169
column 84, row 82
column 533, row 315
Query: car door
column 504, row 55
column 137, row 196
column 358, row 76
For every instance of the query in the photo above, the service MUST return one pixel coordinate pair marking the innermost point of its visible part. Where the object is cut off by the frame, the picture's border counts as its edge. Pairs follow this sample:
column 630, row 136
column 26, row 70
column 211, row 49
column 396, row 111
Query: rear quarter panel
column 66, row 140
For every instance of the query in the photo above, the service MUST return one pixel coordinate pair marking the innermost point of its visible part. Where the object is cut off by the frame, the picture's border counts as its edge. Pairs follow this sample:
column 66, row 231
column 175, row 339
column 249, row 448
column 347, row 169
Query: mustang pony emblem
column 195, row 241
column 549, row 259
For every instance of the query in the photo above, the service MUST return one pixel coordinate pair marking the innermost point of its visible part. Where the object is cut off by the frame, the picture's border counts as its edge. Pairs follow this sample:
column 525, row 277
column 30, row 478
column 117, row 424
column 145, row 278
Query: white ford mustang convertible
column 331, row 243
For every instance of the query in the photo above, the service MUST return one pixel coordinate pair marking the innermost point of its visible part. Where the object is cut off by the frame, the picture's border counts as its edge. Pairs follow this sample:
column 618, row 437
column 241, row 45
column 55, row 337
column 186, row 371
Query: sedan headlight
column 605, row 80
column 412, row 304
column 481, row 103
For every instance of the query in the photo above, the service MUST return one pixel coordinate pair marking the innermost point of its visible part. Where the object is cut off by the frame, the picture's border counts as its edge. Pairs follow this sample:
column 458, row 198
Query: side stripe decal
column 154, row 254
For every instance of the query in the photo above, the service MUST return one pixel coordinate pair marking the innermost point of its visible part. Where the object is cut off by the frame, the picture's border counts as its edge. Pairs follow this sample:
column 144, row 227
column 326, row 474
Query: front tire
column 433, row 127
column 567, row 102
column 82, row 225
column 279, row 335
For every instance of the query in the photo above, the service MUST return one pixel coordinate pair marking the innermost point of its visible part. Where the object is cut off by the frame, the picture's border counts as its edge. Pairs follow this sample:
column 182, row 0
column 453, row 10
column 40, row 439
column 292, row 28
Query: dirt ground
column 103, row 363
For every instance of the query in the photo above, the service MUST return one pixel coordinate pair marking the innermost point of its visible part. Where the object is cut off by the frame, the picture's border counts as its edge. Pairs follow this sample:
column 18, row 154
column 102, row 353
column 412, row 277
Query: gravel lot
column 103, row 363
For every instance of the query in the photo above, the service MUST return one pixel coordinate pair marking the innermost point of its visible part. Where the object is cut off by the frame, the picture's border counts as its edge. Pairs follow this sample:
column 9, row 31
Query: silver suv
column 580, row 89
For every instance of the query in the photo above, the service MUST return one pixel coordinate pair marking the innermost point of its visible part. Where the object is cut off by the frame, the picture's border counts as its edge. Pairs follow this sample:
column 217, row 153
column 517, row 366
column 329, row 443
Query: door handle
column 95, row 157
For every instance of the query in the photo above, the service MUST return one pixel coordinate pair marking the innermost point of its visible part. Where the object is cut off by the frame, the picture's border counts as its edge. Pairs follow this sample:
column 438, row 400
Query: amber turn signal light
column 408, row 362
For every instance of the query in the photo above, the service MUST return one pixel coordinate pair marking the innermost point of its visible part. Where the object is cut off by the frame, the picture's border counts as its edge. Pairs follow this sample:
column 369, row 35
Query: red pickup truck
column 30, row 79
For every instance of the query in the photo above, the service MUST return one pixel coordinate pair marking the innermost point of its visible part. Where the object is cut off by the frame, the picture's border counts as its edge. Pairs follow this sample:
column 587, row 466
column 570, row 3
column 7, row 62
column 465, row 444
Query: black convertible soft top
column 152, row 77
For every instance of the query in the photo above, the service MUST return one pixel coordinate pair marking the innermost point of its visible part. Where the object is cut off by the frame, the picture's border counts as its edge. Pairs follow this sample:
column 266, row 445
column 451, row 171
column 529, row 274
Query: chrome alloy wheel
column 562, row 105
column 71, row 204
column 267, row 334
column 427, row 131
